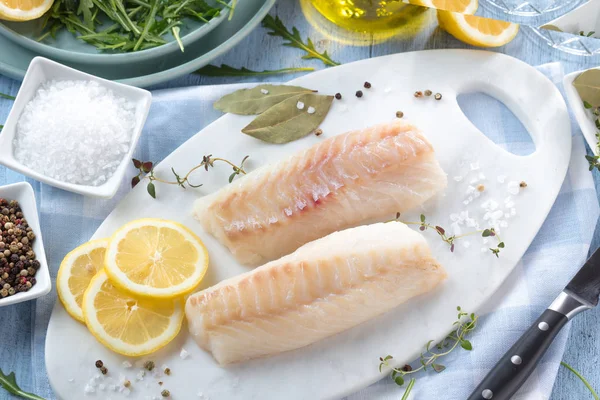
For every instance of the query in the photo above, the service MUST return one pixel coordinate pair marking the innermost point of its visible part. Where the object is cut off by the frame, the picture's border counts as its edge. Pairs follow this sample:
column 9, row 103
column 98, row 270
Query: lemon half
column 23, row 10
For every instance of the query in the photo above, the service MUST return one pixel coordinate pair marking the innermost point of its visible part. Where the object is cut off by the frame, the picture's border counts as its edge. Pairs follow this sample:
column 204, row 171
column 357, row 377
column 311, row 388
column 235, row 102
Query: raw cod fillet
column 323, row 288
column 334, row 185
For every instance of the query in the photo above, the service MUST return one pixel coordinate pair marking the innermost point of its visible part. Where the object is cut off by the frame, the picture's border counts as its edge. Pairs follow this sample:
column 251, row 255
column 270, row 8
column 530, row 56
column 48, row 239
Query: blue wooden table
column 259, row 52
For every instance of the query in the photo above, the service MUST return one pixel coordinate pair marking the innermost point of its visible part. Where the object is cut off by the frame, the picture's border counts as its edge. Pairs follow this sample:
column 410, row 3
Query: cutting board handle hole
column 497, row 122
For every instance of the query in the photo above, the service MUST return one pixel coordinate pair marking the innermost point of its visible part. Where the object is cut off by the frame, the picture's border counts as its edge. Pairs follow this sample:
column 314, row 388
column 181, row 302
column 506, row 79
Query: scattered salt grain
column 456, row 229
column 485, row 241
column 503, row 224
column 513, row 187
column 484, row 249
column 112, row 388
column 183, row 354
column 481, row 176
column 387, row 90
column 497, row 214
column 71, row 379
column 310, row 110
column 264, row 91
column 474, row 166
column 200, row 394
column 458, row 178
column 102, row 386
column 470, row 189
column 466, row 244
column 501, row 178
column 126, row 364
column 126, row 391
column 513, row 211
column 470, row 198
column 300, row 105
column 140, row 375
column 75, row 131
column 89, row 389
column 466, row 202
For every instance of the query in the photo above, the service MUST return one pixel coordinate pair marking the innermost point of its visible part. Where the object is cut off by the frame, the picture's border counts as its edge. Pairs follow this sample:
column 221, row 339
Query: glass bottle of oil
column 368, row 15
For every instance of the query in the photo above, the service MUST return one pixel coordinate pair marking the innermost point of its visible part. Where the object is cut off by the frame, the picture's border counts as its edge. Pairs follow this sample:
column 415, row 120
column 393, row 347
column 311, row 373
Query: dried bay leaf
column 258, row 99
column 588, row 86
column 285, row 122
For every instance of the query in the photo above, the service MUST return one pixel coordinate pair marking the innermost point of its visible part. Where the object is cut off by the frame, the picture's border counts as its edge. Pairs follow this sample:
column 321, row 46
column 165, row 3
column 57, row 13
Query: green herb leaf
column 295, row 40
column 9, row 383
column 258, row 99
column 85, row 8
column 6, row 96
column 586, row 104
column 388, row 357
column 551, row 28
column 285, row 122
column 438, row 367
column 585, row 382
column 465, row 344
column 486, row 233
column 151, row 190
column 226, row 70
column 399, row 380
column 422, row 217
column 588, row 86
column 232, row 177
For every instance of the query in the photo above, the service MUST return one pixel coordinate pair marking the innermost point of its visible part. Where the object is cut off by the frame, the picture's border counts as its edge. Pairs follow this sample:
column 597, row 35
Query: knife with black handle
column 513, row 369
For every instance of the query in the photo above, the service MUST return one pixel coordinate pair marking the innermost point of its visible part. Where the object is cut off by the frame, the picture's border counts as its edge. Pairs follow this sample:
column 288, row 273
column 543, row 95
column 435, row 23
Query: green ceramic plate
column 67, row 48
column 15, row 59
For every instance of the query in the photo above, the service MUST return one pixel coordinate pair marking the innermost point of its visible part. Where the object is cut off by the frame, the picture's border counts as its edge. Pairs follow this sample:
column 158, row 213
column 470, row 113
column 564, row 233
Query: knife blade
column 513, row 369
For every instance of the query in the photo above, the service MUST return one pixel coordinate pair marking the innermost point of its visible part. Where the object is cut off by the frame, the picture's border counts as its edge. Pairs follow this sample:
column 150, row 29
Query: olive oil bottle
column 368, row 15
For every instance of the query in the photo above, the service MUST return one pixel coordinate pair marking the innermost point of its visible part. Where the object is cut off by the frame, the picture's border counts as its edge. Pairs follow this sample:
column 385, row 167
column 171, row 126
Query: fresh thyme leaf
column 258, row 99
column 461, row 328
column 9, row 383
column 276, row 27
column 286, row 121
column 226, row 70
column 587, row 105
column 6, row 96
column 151, row 189
column 588, row 86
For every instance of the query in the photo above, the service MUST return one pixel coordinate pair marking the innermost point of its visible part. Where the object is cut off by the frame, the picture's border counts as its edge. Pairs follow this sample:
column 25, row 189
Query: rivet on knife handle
column 519, row 362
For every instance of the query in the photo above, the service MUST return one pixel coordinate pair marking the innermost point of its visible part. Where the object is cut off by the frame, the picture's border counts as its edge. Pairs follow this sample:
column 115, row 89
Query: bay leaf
column 551, row 28
column 258, row 99
column 285, row 122
column 588, row 86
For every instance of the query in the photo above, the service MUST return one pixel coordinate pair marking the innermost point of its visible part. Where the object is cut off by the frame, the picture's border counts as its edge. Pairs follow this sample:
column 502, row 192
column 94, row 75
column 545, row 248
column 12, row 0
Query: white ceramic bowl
column 23, row 193
column 584, row 117
column 42, row 70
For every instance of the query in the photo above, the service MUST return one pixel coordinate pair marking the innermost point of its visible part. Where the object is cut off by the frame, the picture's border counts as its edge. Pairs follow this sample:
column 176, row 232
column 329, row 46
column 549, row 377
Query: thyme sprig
column 450, row 239
column 464, row 325
column 276, row 28
column 9, row 383
column 146, row 170
column 594, row 161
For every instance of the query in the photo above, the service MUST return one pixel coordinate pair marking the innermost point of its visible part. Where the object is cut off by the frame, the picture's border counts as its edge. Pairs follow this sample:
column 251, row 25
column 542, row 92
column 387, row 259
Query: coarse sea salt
column 75, row 131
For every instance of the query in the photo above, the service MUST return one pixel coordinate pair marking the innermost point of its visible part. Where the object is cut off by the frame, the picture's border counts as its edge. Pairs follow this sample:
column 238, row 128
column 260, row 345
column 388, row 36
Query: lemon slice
column 477, row 31
column 23, row 10
column 76, row 272
column 128, row 325
column 461, row 6
column 156, row 258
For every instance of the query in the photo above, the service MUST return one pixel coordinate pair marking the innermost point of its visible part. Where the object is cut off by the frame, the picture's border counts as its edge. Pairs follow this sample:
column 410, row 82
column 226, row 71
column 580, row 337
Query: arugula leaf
column 85, row 9
column 295, row 40
column 9, row 383
column 226, row 70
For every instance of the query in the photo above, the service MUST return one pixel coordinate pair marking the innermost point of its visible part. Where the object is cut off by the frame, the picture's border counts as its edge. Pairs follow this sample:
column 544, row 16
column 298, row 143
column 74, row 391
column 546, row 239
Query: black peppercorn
column 338, row 96
column 359, row 93
column 99, row 364
column 367, row 85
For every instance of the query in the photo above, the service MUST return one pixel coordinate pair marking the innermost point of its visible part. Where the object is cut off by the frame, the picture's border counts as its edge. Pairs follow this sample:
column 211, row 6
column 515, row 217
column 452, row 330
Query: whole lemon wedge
column 477, row 31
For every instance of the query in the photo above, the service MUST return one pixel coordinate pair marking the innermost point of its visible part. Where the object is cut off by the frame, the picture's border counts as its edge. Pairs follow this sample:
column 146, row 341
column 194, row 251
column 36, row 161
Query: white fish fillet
column 323, row 288
column 334, row 185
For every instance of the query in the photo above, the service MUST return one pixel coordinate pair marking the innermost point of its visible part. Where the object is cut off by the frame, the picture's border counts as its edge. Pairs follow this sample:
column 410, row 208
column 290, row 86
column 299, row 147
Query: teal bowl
column 67, row 48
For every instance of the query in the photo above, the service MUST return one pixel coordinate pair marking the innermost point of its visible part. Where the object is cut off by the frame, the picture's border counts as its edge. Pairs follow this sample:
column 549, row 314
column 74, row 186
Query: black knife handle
column 502, row 382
